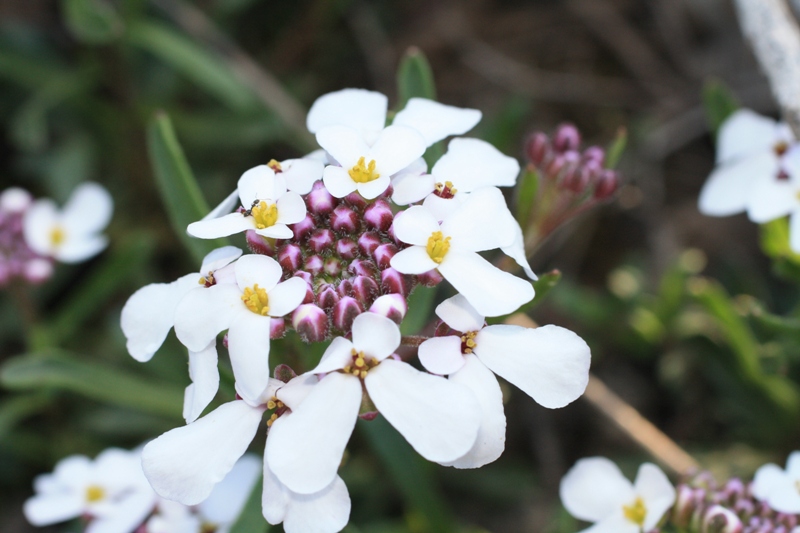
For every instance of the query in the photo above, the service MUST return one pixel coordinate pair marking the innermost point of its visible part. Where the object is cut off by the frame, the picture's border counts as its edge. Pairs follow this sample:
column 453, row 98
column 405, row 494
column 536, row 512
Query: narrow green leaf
column 15, row 409
column 527, row 188
column 92, row 21
column 90, row 378
column 617, row 147
column 420, row 307
column 179, row 190
column 719, row 102
column 251, row 520
column 28, row 71
column 414, row 77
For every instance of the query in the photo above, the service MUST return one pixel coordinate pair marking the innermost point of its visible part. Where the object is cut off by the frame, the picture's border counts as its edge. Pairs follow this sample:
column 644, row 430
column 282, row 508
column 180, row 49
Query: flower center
column 57, row 236
column 363, row 172
column 361, row 364
column 265, row 214
column 95, row 493
column 256, row 300
column 636, row 512
column 468, row 342
column 780, row 148
column 275, row 166
column 208, row 527
column 445, row 191
column 438, row 246
column 279, row 408
column 207, row 281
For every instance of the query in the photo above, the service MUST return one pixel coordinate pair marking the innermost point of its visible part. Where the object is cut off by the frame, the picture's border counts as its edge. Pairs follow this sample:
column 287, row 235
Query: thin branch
column 413, row 341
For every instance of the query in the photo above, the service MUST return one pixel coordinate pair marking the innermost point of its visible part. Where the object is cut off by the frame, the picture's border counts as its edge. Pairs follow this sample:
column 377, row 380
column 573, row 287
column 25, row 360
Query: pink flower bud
column 346, row 248
column 344, row 219
column 392, row 306
column 284, row 373
column 321, row 239
column 345, row 312
column 537, row 148
column 379, row 215
column 367, row 243
column 319, row 200
column 310, row 322
column 290, row 257
column 345, row 288
column 369, row 416
column 37, row 270
column 383, row 254
column 313, row 265
column 303, row 228
column 259, row 244
column 365, row 290
column 356, row 200
column 595, row 154
column 333, row 266
column 327, row 297
column 606, row 184
column 277, row 328
column 566, row 138
column 393, row 282
column 554, row 167
column 718, row 519
column 685, row 504
column 15, row 200
column 361, row 267
column 305, row 275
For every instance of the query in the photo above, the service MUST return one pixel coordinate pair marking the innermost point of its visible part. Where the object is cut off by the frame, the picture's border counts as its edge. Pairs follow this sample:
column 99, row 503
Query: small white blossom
column 595, row 490
column 778, row 487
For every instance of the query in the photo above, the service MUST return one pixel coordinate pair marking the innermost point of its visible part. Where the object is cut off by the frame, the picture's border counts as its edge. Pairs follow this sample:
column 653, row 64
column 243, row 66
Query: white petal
column 793, row 465
column 435, row 121
column 276, row 231
column 128, row 515
column 88, row 209
column 46, row 509
column 258, row 183
column 248, row 347
column 440, row 419
column 214, row 228
column 229, row 496
column 744, row 133
column 38, row 223
column 767, row 479
column 286, row 296
column 441, row 355
column 729, row 188
column 412, row 188
column 77, row 248
column 549, row 363
column 595, row 489
column 459, row 314
column 291, row 208
column 275, row 496
column 204, row 312
column 794, row 231
column 255, row 269
column 417, row 167
column 304, row 448
column 345, row 145
column 413, row 260
column 357, row 108
column 148, row 315
column 517, row 252
column 336, row 356
column 771, row 198
column 653, row 486
column 338, row 181
column 395, row 149
column 297, row 390
column 784, row 497
column 481, row 222
column 219, row 258
column 185, row 463
column 326, row 511
column 300, row 174
column 373, row 189
column 616, row 523
column 228, row 204
column 204, row 374
column 415, row 225
column 441, row 208
column 491, row 440
column 491, row 291
column 375, row 335
column 472, row 163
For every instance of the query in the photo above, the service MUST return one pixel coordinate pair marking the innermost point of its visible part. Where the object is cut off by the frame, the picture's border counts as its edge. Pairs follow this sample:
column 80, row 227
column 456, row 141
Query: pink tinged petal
column 441, row 355
column 472, row 163
column 326, row 511
column 375, row 335
column 413, row 260
column 549, row 363
column 491, row 291
column 88, row 210
column 337, row 356
column 744, row 133
column 435, row 121
column 338, row 181
column 204, row 312
column 185, row 463
column 291, row 208
column 415, row 225
column 39, row 221
column 395, row 148
column 357, row 108
column 258, row 269
column 767, row 479
column 729, row 188
column 481, row 222
column 300, row 174
column 276, row 231
column 595, row 489
column 228, row 204
column 439, row 418
column 229, row 496
column 214, row 228
column 411, row 188
column 297, row 390
column 248, row 347
column 258, row 183
column 345, row 144
column 517, row 252
column 459, row 314
column 304, row 448
column 653, row 486
column 286, row 296
column 43, row 510
column 794, row 230
column 219, row 258
column 149, row 313
column 771, row 198
column 373, row 189
column 204, row 374
column 491, row 440
column 616, row 523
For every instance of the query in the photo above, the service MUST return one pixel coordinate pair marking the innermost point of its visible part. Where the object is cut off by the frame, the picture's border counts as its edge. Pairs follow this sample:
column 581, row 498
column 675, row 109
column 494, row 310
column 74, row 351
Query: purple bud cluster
column 704, row 506
column 343, row 249
column 17, row 260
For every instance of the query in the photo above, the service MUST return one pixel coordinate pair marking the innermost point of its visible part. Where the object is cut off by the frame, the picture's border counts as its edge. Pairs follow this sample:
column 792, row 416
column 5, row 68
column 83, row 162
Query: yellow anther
column 438, row 246
column 363, row 374
column 360, row 365
column 468, row 342
column 57, row 236
column 95, row 493
column 359, row 362
column 271, row 404
column 202, row 280
column 256, row 300
column 636, row 512
column 272, row 419
column 363, row 172
column 780, row 148
column 275, row 166
column 265, row 214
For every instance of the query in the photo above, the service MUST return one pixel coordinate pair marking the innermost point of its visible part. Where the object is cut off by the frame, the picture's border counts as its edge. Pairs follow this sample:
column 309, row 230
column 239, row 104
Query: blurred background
column 673, row 304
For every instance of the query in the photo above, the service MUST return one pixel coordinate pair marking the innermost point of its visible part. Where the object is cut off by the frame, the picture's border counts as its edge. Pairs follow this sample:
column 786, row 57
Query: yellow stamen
column 636, row 513
column 468, row 342
column 363, row 173
column 438, row 245
column 57, row 236
column 265, row 214
column 95, row 493
column 256, row 300
column 361, row 364
column 780, row 148
column 275, row 166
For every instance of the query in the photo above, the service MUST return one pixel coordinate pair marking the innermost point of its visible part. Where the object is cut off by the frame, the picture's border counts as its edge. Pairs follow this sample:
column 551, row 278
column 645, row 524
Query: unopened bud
column 685, row 504
column 313, row 265
column 310, row 322
column 345, row 288
column 346, row 248
column 553, row 169
column 321, row 239
column 327, row 297
column 360, row 267
column 303, row 228
column 537, row 148
column 284, row 373
column 277, row 328
column 15, row 200
column 431, row 278
column 733, row 490
column 379, row 215
column 384, row 253
column 566, row 138
column 606, row 184
column 365, row 290
column 259, row 244
column 393, row 282
column 333, row 266
column 392, row 306
column 718, row 519
column 367, row 243
column 356, row 200
column 290, row 257
column 345, row 312
column 594, row 154
column 319, row 200
column 37, row 270
column 344, row 219
column 305, row 276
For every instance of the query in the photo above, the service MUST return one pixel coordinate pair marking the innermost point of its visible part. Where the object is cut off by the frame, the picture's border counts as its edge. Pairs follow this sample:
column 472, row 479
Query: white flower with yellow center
column 480, row 223
column 111, row 490
column 267, row 207
column 245, row 308
column 72, row 234
column 549, row 363
column 439, row 418
column 596, row 491
column 779, row 488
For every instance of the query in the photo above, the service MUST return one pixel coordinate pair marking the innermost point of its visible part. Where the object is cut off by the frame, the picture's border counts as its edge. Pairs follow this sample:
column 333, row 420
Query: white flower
column 268, row 207
column 596, row 491
column 780, row 488
column 111, row 490
column 549, row 363
column 245, row 309
column 72, row 234
column 439, row 418
column 480, row 223
column 750, row 150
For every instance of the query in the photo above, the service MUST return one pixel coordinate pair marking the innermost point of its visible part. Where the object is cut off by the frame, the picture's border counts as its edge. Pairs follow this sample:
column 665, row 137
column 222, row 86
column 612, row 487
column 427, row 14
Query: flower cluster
column 17, row 260
column 340, row 238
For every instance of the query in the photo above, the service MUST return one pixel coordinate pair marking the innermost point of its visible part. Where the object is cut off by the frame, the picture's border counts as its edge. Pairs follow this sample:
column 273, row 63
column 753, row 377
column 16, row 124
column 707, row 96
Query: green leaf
column 414, row 77
column 179, row 190
column 617, row 148
column 14, row 410
column 60, row 370
column 420, row 307
column 526, row 193
column 251, row 520
column 92, row 21
column 719, row 102
column 28, row 71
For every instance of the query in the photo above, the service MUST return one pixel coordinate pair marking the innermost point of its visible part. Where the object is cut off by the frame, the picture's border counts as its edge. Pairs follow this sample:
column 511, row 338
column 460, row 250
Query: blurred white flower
column 779, row 488
column 72, row 234
column 595, row 490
